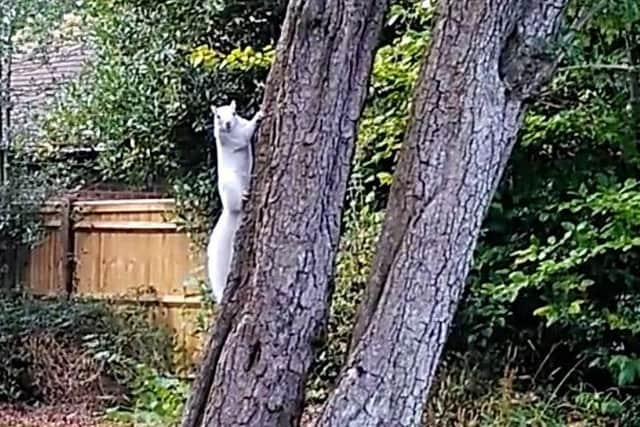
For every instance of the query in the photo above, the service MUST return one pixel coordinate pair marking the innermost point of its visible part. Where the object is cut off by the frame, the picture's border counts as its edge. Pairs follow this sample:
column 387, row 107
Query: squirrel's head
column 225, row 117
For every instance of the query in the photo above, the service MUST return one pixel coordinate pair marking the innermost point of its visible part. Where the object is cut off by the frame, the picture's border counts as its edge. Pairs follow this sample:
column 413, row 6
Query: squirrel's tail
column 220, row 251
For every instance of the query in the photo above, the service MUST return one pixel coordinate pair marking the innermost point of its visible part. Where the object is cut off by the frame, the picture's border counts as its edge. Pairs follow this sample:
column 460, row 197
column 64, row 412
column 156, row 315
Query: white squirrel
column 235, row 160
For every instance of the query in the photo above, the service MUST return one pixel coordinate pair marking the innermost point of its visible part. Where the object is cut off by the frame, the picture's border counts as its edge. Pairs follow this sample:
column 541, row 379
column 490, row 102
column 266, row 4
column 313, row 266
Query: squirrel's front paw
column 259, row 116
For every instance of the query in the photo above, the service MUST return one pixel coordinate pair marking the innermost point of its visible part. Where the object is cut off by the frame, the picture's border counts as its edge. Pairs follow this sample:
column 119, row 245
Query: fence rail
column 124, row 251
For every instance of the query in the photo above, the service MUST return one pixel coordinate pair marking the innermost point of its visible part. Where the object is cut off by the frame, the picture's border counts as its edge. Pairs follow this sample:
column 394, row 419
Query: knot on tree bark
column 526, row 63
column 313, row 14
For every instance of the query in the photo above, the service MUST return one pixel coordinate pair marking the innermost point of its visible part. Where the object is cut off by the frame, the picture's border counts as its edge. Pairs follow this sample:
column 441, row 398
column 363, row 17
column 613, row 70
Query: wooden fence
column 126, row 251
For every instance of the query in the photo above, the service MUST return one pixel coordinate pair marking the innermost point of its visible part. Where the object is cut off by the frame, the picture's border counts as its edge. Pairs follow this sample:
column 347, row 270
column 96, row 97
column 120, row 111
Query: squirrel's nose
column 228, row 125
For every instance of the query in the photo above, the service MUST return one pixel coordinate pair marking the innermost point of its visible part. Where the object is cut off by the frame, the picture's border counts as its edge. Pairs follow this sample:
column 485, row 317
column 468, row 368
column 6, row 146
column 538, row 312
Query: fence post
column 66, row 240
column 19, row 258
column 6, row 266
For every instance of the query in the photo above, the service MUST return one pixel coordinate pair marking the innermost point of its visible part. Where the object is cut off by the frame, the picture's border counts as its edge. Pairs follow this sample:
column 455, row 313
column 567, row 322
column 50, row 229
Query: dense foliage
column 145, row 101
column 549, row 329
column 20, row 201
column 557, row 266
column 62, row 351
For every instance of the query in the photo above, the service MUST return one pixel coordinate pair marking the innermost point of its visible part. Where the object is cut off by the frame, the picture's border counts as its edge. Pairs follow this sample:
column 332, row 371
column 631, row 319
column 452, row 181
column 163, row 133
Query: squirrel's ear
column 213, row 109
column 233, row 105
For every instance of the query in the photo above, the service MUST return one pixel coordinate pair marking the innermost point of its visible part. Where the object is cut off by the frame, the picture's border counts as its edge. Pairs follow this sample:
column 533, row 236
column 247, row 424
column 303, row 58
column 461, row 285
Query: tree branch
column 582, row 21
column 601, row 67
column 578, row 25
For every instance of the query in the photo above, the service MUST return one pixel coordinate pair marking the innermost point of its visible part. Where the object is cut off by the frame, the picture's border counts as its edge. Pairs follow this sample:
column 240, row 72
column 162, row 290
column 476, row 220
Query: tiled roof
column 35, row 78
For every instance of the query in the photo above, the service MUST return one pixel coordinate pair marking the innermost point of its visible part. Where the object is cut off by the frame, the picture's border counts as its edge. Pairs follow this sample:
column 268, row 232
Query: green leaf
column 385, row 178
column 574, row 307
column 627, row 375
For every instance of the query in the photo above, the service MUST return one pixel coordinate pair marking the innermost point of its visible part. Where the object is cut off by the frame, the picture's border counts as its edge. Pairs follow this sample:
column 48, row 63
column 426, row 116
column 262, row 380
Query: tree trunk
column 5, row 86
column 275, row 306
column 5, row 111
column 487, row 58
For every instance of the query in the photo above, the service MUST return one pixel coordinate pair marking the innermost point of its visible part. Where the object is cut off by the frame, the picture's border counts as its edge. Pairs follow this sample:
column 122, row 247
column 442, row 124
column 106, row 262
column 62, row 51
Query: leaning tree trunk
column 275, row 307
column 486, row 60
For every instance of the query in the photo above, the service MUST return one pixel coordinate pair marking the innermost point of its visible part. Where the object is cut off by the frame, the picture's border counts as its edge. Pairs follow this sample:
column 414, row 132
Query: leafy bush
column 53, row 348
column 395, row 71
column 585, row 277
column 21, row 198
column 157, row 400
column 557, row 265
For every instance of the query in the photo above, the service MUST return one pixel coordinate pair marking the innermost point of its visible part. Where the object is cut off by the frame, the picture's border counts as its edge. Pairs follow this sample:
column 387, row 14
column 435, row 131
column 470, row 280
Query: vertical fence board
column 46, row 261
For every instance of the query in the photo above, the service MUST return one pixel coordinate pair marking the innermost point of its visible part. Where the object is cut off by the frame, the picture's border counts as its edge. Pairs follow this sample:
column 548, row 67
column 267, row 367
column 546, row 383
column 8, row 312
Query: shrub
column 156, row 400
column 64, row 349
column 60, row 371
column 21, row 199
column 556, row 268
column 468, row 394
column 581, row 279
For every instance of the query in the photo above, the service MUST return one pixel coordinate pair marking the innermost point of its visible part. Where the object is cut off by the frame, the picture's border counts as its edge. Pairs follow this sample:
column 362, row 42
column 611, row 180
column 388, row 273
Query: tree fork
column 486, row 60
column 275, row 307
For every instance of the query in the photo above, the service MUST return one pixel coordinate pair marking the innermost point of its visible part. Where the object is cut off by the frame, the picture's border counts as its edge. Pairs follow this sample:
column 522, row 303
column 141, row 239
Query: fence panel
column 130, row 250
column 120, row 245
column 124, row 251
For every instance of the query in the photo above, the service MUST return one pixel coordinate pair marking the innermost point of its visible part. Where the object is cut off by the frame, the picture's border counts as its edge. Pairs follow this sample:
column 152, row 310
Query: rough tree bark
column 486, row 60
column 275, row 307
